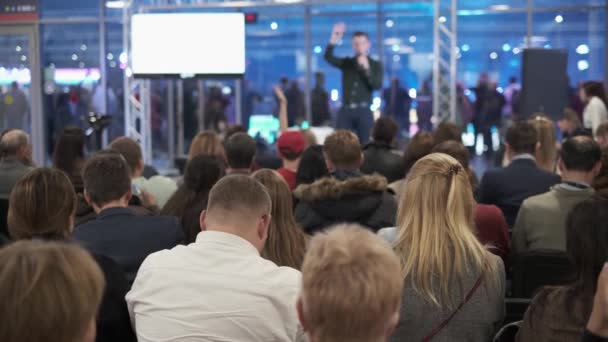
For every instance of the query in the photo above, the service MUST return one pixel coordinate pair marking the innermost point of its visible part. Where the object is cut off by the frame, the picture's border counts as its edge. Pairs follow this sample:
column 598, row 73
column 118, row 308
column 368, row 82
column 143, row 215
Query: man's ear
column 301, row 314
column 330, row 166
column 392, row 324
column 128, row 195
column 597, row 168
column 560, row 165
column 537, row 147
column 88, row 199
column 361, row 160
column 263, row 226
column 201, row 220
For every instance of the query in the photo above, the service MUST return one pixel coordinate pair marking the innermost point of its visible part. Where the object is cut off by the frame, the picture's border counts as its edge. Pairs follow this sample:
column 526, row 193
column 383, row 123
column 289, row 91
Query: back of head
column 286, row 243
column 601, row 133
column 202, row 172
column 69, row 150
column 343, row 150
column 436, row 240
column 106, row 177
column 447, row 131
column 351, row 286
column 232, row 130
column 312, row 166
column 572, row 116
column 522, row 137
column 587, row 242
column 130, row 150
column 240, row 151
column 547, row 152
column 580, row 153
column 419, row 146
column 42, row 204
column 237, row 201
column 456, row 150
column 291, row 145
column 207, row 143
column 13, row 141
column 50, row 290
column 385, row 129
column 595, row 89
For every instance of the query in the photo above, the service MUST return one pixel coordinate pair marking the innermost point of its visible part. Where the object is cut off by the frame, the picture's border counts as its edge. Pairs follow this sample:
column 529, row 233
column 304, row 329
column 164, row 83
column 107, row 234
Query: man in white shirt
column 219, row 288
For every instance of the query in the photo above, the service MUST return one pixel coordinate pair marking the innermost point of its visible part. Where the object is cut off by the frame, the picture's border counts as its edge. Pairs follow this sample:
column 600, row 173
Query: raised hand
column 337, row 33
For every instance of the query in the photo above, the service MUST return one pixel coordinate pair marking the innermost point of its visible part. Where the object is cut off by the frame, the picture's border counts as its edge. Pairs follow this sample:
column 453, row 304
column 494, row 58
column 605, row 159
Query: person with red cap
column 291, row 145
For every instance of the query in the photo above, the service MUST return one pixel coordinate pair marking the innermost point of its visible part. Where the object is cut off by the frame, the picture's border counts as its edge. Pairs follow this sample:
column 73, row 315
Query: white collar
column 227, row 239
column 523, row 156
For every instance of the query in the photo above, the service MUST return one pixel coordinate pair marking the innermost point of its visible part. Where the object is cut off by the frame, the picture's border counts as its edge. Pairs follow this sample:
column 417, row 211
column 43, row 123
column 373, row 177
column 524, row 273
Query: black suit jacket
column 508, row 187
column 383, row 159
column 128, row 239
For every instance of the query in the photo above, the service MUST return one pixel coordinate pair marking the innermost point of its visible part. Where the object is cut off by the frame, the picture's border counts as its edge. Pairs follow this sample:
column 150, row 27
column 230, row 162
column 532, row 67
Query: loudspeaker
column 545, row 85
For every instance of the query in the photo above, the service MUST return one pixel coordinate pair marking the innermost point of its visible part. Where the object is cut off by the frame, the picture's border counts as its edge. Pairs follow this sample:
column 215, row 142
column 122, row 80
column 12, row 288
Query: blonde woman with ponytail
column 454, row 287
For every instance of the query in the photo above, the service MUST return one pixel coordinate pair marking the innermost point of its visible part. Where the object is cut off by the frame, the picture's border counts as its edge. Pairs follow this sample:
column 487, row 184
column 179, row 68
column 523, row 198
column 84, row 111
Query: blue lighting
column 396, row 48
column 465, row 47
column 506, row 47
column 318, row 49
column 547, row 46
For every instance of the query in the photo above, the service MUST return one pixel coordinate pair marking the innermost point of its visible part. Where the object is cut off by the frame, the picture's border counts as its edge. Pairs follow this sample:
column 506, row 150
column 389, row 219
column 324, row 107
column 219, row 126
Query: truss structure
column 445, row 57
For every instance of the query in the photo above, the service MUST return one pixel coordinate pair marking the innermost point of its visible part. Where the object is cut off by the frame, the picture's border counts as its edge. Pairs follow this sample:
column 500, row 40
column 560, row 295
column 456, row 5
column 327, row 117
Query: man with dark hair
column 397, row 103
column 240, row 153
column 16, row 159
column 379, row 155
column 347, row 195
column 541, row 222
column 117, row 232
column 291, row 145
column 508, row 187
column 219, row 288
column 320, row 101
column 361, row 75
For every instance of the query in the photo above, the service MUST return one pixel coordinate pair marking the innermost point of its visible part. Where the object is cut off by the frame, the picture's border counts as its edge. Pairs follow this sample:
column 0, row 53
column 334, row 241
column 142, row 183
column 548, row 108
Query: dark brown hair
column 68, row 155
column 385, row 129
column 594, row 88
column 419, row 146
column 522, row 137
column 447, row 131
column 50, row 292
column 240, row 151
column 106, row 177
column 343, row 149
column 42, row 203
column 286, row 243
column 130, row 150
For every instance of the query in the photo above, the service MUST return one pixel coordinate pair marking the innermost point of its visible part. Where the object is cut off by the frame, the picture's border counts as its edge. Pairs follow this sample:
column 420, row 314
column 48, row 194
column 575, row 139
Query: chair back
column 4, row 217
column 532, row 270
column 508, row 332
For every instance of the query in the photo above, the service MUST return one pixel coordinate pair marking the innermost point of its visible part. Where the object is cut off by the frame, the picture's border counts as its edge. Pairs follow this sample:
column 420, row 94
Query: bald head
column 15, row 143
column 239, row 205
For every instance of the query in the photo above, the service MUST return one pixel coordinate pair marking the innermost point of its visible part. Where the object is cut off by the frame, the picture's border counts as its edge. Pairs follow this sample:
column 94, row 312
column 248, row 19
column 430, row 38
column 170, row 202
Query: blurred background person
column 593, row 96
column 69, row 155
column 397, row 104
column 319, row 106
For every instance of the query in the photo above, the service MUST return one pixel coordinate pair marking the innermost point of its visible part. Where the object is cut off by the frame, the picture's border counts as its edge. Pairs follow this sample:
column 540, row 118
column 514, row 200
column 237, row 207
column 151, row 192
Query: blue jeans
column 359, row 120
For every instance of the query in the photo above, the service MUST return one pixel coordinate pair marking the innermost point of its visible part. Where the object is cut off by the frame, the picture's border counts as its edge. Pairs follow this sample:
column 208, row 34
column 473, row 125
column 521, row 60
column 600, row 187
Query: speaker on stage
column 544, row 82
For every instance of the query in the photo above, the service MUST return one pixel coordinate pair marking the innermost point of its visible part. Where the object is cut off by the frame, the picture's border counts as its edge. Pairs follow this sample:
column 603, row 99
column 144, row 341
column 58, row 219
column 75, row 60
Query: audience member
column 454, row 288
column 117, row 232
column 312, row 166
column 447, row 131
column 419, row 146
column 596, row 105
column 601, row 134
column 347, row 195
column 207, row 143
column 570, row 124
column 597, row 327
column 560, row 313
column 190, row 199
column 68, row 155
column 310, row 137
column 42, row 208
column 221, row 277
column 541, row 222
column 492, row 228
column 50, row 292
column 351, row 287
column 508, row 187
column 546, row 153
column 153, row 192
column 286, row 243
column 379, row 155
column 16, row 159
column 600, row 183
column 291, row 145
column 240, row 153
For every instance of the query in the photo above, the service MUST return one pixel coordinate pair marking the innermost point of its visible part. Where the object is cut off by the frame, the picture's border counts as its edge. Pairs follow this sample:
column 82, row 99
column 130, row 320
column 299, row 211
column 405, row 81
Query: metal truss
column 445, row 57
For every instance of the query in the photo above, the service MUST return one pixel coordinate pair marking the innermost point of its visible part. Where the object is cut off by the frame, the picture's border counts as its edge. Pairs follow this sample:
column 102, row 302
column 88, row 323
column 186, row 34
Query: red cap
column 291, row 141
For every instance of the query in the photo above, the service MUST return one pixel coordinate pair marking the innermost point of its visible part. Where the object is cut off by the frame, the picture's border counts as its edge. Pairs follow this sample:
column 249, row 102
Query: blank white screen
column 192, row 43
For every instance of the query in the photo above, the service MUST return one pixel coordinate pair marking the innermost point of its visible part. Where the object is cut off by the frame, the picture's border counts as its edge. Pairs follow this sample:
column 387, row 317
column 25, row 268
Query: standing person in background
column 296, row 108
column 594, row 97
column 512, row 95
column 361, row 75
column 491, row 114
column 425, row 106
column 69, row 155
column 481, row 91
column 15, row 108
column 397, row 104
column 320, row 101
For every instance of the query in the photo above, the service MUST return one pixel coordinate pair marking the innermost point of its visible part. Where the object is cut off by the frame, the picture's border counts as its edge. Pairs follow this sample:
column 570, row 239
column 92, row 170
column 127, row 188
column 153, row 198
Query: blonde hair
column 436, row 241
column 286, row 243
column 351, row 286
column 50, row 292
column 207, row 143
column 546, row 155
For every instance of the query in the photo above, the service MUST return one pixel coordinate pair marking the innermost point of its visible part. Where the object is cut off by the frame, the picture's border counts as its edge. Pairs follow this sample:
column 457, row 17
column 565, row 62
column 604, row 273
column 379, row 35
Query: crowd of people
column 345, row 241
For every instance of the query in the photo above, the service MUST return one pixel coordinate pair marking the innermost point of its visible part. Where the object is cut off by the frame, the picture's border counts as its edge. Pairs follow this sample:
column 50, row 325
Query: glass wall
column 84, row 63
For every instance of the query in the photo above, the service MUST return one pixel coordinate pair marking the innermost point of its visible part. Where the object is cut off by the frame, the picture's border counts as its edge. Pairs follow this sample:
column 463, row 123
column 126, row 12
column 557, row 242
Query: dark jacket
column 11, row 170
column 508, row 187
column 357, row 83
column 127, row 238
column 383, row 159
column 346, row 197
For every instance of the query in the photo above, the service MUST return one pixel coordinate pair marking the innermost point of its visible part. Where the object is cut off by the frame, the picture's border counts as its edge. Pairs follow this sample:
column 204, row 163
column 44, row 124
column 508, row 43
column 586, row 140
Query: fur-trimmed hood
column 331, row 188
